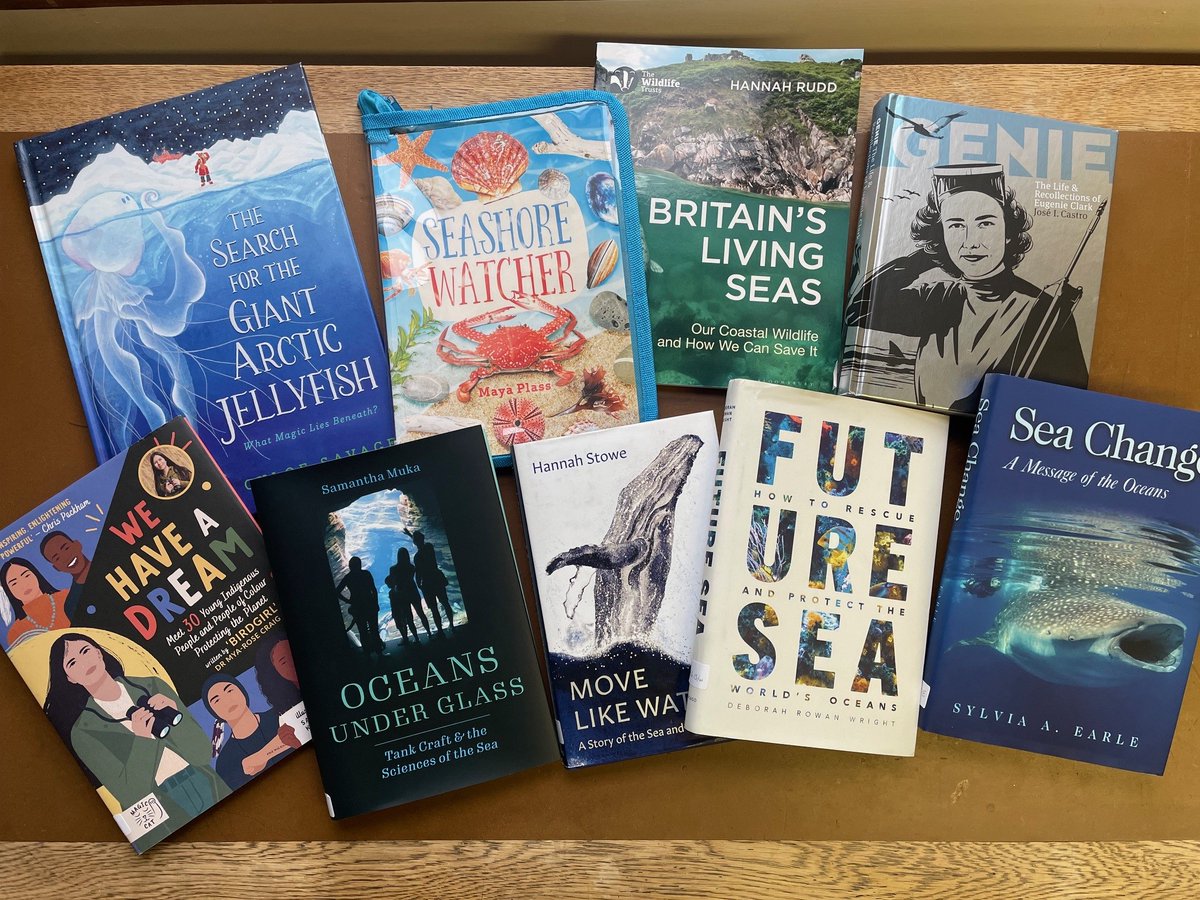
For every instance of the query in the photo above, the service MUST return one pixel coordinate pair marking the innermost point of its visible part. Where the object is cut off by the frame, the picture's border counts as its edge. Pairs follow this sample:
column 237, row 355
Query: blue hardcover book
column 201, row 263
column 1067, row 615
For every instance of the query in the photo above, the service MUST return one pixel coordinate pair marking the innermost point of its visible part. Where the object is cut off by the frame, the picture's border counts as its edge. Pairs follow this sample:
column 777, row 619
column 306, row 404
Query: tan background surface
column 1147, row 341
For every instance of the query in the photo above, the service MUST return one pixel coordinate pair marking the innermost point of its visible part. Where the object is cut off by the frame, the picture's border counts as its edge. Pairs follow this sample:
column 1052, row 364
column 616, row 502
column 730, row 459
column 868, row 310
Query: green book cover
column 744, row 162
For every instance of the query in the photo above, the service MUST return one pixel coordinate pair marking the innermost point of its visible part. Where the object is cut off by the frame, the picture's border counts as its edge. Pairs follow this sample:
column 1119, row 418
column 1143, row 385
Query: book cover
column 402, row 600
column 980, row 246
column 616, row 523
column 511, row 264
column 815, row 604
column 745, row 161
column 201, row 264
column 139, row 608
column 1067, row 614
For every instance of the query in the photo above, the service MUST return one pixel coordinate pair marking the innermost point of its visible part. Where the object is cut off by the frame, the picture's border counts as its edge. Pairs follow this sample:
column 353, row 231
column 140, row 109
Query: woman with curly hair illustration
column 959, row 295
column 276, row 672
column 170, row 478
column 36, row 605
column 252, row 740
column 133, row 734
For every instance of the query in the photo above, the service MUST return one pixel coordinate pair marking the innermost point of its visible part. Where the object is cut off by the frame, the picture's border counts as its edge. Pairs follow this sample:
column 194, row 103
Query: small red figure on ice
column 202, row 159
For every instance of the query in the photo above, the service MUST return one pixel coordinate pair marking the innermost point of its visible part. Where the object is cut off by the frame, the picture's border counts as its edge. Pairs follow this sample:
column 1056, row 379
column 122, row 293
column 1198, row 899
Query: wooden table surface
column 960, row 820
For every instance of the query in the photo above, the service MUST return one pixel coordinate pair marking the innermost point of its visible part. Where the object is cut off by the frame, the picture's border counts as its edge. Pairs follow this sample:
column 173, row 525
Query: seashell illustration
column 554, row 184
column 602, row 196
column 491, row 164
column 392, row 213
column 581, row 427
column 439, row 192
column 610, row 311
column 422, row 387
column 518, row 421
column 602, row 262
column 623, row 366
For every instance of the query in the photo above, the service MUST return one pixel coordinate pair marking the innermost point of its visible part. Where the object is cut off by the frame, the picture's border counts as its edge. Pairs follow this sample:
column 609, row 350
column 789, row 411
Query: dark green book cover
column 408, row 624
column 744, row 161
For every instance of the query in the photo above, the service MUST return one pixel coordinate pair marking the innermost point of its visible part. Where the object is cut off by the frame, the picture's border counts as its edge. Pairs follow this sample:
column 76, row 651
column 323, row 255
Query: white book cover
column 816, row 598
column 616, row 521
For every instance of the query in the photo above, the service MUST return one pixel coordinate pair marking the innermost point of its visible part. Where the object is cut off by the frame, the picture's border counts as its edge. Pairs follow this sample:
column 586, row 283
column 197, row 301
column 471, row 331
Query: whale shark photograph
column 1069, row 622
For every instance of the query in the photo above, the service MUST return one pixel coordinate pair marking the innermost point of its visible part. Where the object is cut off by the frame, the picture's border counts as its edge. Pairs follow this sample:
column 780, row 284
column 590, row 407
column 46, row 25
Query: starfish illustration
column 409, row 154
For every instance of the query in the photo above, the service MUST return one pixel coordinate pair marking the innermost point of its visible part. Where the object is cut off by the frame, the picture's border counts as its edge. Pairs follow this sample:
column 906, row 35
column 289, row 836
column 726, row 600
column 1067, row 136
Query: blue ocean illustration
column 201, row 264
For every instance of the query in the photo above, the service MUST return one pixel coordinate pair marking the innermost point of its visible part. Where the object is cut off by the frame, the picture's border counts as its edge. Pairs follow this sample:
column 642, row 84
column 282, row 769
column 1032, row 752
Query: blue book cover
column 138, row 606
column 979, row 249
column 201, row 264
column 619, row 573
column 1067, row 614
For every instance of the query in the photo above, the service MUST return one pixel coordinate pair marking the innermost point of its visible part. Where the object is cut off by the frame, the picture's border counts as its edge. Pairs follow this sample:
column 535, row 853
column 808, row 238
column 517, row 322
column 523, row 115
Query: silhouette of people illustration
column 405, row 599
column 432, row 581
column 363, row 603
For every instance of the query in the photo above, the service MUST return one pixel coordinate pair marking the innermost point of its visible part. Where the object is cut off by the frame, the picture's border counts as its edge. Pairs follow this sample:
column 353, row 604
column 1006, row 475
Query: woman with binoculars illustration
column 133, row 735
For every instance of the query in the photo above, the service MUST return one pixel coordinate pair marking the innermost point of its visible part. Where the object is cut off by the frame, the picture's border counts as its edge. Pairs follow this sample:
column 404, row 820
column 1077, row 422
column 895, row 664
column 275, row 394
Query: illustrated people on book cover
column 359, row 586
column 958, row 292
column 133, row 734
column 405, row 598
column 253, row 740
column 201, row 167
column 66, row 555
column 432, row 581
column 31, row 603
column 275, row 671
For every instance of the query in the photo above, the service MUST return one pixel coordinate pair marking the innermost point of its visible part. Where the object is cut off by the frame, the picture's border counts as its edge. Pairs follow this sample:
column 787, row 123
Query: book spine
column 62, row 305
column 701, row 652
column 866, row 238
column 941, row 611
column 538, row 630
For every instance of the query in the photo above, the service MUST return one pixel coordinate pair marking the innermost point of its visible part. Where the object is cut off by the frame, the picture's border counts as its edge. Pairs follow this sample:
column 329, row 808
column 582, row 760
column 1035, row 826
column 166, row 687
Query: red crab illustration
column 513, row 348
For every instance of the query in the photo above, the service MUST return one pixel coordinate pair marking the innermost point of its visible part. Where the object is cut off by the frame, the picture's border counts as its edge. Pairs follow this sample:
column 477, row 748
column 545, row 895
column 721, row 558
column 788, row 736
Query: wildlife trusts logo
column 623, row 79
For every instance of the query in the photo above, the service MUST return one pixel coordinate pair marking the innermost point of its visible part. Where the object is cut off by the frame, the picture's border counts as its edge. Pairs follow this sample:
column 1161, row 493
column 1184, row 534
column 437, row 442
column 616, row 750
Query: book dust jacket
column 616, row 522
column 1067, row 614
column 201, row 264
column 139, row 607
column 411, row 636
column 745, row 161
column 980, row 247
column 815, row 604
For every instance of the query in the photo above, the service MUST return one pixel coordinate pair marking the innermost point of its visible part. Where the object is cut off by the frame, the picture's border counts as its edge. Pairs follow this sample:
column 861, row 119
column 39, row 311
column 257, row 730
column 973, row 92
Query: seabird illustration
column 924, row 130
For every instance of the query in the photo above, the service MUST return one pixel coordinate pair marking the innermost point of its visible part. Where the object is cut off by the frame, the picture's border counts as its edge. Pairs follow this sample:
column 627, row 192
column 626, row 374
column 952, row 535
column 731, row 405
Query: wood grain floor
column 566, row 870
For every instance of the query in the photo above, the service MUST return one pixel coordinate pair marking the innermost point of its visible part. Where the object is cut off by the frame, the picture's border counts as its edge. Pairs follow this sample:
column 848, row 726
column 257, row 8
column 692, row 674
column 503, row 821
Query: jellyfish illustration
column 127, row 329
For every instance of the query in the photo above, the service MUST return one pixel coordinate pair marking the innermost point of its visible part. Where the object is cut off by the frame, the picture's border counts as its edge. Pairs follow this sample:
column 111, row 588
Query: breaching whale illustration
column 634, row 559
column 1083, row 637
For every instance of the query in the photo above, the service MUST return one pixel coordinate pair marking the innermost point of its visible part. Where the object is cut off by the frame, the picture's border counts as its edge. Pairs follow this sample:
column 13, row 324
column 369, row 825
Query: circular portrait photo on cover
column 166, row 472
